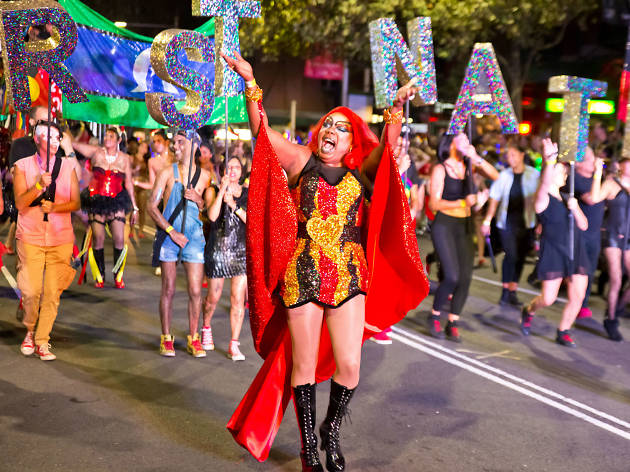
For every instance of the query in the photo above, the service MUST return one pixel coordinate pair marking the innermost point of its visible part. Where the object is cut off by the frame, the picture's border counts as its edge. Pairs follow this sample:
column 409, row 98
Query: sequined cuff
column 254, row 94
column 392, row 118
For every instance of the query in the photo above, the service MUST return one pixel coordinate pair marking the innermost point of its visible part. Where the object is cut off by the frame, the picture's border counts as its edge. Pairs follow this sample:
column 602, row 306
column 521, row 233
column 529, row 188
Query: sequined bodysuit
column 328, row 265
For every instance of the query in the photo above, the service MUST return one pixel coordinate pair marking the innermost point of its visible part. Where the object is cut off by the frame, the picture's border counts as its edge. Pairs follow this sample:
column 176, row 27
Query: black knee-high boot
column 304, row 399
column 329, row 430
column 99, row 257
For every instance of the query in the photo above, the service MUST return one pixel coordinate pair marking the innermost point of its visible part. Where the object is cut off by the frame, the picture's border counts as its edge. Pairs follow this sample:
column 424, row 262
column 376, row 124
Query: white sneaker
column 28, row 346
column 206, row 339
column 43, row 351
column 234, row 352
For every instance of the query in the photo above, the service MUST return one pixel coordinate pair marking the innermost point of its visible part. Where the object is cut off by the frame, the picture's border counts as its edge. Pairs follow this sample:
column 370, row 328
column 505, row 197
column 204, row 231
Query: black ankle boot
column 329, row 430
column 505, row 297
column 612, row 329
column 99, row 257
column 514, row 301
column 304, row 399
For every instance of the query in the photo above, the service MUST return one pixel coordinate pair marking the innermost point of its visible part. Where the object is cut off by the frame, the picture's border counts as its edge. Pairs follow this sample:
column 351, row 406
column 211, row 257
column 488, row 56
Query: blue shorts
column 193, row 251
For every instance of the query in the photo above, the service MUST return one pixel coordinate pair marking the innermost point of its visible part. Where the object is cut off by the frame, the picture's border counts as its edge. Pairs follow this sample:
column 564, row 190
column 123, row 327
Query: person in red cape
column 322, row 276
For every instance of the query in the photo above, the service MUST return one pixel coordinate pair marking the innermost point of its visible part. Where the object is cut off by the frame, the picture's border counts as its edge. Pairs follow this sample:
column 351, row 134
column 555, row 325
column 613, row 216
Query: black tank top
column 618, row 208
column 454, row 189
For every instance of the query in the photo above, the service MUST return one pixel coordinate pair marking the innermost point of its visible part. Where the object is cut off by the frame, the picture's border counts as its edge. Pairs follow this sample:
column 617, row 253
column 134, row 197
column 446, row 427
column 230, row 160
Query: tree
column 519, row 29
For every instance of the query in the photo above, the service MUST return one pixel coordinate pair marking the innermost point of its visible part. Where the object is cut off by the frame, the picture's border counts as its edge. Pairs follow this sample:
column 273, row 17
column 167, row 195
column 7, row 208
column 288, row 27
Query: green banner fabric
column 117, row 111
column 122, row 109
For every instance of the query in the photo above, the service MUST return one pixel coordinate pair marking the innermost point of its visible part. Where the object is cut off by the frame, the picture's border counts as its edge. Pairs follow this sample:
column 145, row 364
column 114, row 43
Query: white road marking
column 492, row 373
column 484, row 355
column 520, row 289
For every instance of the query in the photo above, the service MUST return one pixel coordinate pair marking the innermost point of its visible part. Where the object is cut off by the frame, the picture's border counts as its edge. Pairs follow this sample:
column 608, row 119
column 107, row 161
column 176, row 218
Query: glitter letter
column 199, row 94
column 391, row 59
column 575, row 117
column 19, row 56
column 227, row 13
column 483, row 68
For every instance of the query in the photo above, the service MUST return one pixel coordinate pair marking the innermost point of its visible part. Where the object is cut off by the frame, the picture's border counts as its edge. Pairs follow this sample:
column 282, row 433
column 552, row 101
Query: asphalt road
column 496, row 402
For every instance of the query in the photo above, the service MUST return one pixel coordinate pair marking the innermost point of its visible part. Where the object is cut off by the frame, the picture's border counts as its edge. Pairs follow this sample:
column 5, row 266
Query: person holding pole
column 225, row 252
column 615, row 192
column 45, row 235
column 311, row 306
column 556, row 261
column 180, row 238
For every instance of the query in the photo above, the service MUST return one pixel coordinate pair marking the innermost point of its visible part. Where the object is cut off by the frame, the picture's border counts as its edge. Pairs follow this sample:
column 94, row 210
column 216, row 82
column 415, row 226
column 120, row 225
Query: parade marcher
column 512, row 194
column 139, row 153
column 313, row 326
column 555, row 263
column 46, row 192
column 225, row 253
column 615, row 191
column 107, row 200
column 451, row 196
column 171, row 239
column 594, row 212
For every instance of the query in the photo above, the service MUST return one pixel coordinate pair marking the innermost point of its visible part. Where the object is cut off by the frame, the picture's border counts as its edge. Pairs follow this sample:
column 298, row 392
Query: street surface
column 496, row 402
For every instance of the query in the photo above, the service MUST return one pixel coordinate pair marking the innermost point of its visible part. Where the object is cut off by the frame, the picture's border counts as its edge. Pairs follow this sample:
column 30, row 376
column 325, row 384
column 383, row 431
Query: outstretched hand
column 550, row 149
column 405, row 93
column 239, row 65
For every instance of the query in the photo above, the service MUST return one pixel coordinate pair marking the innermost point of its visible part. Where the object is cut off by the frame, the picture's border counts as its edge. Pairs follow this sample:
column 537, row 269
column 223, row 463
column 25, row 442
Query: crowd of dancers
column 320, row 277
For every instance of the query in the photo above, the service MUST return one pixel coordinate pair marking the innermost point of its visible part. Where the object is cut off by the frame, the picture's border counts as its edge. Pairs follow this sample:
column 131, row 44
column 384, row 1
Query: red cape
column 397, row 284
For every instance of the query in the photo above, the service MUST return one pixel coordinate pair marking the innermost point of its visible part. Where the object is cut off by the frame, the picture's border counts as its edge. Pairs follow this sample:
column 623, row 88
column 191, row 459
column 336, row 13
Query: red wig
column 363, row 139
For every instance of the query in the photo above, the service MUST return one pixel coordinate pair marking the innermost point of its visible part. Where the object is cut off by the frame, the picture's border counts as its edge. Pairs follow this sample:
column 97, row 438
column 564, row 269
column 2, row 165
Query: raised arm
column 599, row 191
column 550, row 156
column 481, row 165
column 436, row 203
column 293, row 157
column 390, row 132
column 88, row 150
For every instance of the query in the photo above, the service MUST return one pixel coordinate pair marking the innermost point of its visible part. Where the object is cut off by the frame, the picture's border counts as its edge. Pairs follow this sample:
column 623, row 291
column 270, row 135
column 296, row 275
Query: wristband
column 38, row 187
column 250, row 83
column 485, row 223
column 463, row 203
column 169, row 229
column 551, row 162
column 72, row 154
column 253, row 94
column 136, row 209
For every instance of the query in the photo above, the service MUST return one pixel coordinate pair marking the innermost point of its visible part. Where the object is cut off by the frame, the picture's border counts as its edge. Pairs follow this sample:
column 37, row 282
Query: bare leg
column 169, row 272
column 237, row 305
column 118, row 231
column 194, row 275
column 305, row 326
column 576, row 289
column 215, row 287
column 549, row 294
column 613, row 259
column 345, row 325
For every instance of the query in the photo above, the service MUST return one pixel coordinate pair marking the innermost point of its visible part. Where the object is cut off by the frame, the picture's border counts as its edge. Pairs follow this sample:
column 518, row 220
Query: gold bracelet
column 38, row 187
column 169, row 229
column 392, row 118
column 463, row 204
column 250, row 83
column 254, row 94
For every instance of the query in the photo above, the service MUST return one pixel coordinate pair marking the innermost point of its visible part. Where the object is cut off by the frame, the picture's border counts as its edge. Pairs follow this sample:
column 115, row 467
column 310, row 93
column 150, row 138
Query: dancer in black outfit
column 555, row 263
column 451, row 196
column 615, row 191
column 225, row 252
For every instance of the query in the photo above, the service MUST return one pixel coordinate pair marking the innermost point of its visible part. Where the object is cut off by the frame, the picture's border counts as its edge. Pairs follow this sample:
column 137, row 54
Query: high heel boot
column 304, row 399
column 329, row 430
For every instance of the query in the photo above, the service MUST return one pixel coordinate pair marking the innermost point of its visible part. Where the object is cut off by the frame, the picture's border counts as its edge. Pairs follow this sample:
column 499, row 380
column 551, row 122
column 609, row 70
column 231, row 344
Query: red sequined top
column 107, row 183
column 328, row 264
